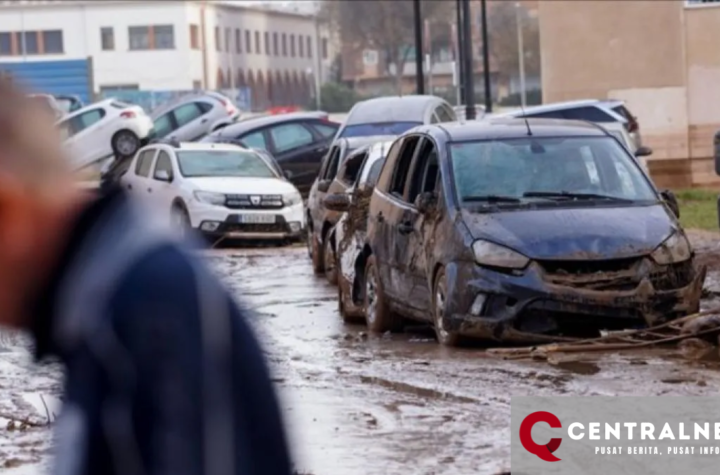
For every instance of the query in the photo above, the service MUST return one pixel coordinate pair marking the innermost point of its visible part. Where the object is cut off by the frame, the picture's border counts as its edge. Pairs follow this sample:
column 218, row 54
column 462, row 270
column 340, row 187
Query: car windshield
column 217, row 163
column 544, row 168
column 383, row 128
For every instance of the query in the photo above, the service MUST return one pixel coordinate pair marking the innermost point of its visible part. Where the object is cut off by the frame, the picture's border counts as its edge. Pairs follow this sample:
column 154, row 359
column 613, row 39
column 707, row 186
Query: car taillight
column 127, row 115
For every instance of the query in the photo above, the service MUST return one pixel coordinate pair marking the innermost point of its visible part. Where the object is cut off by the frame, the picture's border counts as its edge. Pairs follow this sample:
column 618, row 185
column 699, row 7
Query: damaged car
column 347, row 237
column 335, row 176
column 522, row 230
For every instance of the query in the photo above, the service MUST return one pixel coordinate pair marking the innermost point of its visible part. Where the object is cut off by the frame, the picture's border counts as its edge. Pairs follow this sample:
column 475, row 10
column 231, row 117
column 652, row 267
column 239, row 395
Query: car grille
column 255, row 228
column 617, row 274
column 253, row 201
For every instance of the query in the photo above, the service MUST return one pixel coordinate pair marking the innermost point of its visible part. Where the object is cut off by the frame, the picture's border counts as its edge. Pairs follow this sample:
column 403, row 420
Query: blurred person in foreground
column 163, row 374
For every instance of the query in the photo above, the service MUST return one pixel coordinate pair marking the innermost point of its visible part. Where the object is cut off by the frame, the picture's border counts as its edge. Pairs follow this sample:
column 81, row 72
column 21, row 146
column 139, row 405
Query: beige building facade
column 661, row 57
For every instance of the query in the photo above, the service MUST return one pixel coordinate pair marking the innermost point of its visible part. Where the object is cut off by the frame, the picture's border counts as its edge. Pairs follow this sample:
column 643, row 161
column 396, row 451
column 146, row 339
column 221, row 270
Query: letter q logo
column 545, row 452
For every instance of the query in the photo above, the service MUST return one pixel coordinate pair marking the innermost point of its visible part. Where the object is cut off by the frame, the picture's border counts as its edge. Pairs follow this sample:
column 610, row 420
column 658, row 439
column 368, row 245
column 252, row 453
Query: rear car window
column 375, row 170
column 590, row 114
column 385, row 128
column 326, row 130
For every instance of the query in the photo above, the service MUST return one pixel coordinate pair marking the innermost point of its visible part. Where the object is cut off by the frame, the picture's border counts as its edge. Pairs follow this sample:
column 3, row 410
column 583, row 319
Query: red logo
column 545, row 452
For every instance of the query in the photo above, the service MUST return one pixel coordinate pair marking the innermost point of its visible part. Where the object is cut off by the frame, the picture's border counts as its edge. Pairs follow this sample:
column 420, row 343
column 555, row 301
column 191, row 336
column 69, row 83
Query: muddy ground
column 364, row 405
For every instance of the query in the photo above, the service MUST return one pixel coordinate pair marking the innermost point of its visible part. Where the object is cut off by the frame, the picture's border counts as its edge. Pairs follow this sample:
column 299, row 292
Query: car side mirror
column 425, row 202
column 163, row 175
column 324, row 186
column 288, row 174
column 643, row 152
column 671, row 200
column 337, row 202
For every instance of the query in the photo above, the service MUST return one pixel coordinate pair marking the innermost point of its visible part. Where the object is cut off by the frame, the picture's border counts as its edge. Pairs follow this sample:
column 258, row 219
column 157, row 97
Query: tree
column 383, row 25
column 503, row 38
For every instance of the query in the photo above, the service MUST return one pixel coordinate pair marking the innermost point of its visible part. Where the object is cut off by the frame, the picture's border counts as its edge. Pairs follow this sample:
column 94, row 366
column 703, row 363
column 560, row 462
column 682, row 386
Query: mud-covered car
column 514, row 230
column 335, row 176
column 347, row 237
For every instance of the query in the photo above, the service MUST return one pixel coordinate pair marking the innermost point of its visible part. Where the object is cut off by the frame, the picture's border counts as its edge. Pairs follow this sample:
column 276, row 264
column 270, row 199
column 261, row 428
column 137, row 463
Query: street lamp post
column 486, row 58
column 459, row 61
column 521, row 55
column 419, row 50
column 469, row 70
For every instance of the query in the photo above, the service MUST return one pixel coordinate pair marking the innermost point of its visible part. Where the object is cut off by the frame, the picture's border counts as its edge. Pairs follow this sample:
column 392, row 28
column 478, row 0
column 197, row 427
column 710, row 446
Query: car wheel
column 329, row 261
column 181, row 221
column 341, row 305
column 378, row 315
column 316, row 256
column 125, row 143
column 439, row 301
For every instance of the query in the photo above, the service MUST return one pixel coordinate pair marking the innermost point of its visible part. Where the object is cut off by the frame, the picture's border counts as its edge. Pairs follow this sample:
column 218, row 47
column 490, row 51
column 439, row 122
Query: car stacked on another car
column 99, row 131
column 297, row 140
column 221, row 190
column 347, row 237
column 335, row 176
column 521, row 230
column 193, row 116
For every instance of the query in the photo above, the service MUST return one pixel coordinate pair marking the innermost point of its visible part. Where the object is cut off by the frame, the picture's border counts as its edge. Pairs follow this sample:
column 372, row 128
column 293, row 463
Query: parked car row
column 505, row 228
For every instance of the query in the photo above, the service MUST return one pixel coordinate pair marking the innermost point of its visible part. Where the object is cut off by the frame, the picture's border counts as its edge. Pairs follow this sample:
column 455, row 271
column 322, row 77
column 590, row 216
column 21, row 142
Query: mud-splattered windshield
column 223, row 163
column 517, row 170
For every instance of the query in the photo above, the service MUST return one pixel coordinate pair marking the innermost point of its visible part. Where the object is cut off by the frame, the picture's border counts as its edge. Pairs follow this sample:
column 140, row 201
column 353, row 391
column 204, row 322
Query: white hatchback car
column 101, row 130
column 221, row 190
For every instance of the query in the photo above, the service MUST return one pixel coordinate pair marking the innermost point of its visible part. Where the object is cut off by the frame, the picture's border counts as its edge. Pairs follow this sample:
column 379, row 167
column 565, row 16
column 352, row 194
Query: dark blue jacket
column 164, row 376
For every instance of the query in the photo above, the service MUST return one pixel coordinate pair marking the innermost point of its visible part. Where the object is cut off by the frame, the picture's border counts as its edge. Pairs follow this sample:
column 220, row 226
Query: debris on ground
column 703, row 326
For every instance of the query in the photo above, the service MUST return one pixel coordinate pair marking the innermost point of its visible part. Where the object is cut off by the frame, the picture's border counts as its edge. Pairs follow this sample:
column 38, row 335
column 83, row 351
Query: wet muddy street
column 359, row 404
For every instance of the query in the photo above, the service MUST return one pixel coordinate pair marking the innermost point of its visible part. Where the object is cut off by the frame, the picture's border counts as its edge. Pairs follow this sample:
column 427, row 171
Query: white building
column 281, row 56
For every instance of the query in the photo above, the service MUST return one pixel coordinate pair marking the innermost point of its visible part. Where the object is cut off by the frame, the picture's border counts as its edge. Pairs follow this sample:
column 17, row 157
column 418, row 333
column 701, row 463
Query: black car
column 522, row 230
column 297, row 140
column 394, row 115
column 320, row 219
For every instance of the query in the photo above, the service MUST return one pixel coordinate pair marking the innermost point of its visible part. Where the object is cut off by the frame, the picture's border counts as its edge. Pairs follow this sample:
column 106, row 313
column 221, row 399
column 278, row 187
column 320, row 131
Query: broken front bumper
column 488, row 304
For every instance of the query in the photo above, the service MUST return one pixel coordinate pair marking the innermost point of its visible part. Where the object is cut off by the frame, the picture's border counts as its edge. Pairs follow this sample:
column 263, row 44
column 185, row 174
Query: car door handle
column 405, row 227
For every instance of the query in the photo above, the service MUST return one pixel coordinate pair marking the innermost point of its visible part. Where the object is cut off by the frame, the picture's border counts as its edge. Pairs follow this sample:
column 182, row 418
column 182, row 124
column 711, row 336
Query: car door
column 320, row 188
column 297, row 149
column 191, row 121
column 415, row 232
column 85, row 140
column 164, row 125
column 398, row 284
column 163, row 191
column 138, row 176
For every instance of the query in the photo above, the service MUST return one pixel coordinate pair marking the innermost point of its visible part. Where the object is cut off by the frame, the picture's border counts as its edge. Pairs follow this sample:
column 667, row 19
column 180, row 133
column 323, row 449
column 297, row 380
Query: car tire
column 329, row 261
column 378, row 316
column 181, row 221
column 125, row 143
column 439, row 303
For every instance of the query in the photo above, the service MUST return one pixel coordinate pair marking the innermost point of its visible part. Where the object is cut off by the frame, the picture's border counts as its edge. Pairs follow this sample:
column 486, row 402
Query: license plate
column 257, row 218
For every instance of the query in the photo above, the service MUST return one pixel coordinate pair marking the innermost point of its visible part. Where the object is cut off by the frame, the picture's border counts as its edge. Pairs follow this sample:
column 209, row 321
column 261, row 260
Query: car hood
column 243, row 185
column 575, row 234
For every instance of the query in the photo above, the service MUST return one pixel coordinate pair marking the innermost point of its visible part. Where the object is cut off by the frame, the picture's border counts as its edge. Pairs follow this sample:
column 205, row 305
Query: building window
column 292, row 46
column 309, row 47
column 163, row 36
column 6, row 44
column 284, row 44
column 238, row 45
column 194, row 37
column 301, row 46
column 248, row 44
column 267, row 43
column 139, row 37
column 218, row 42
column 52, row 42
column 276, row 45
column 29, row 42
column 227, row 39
column 107, row 38
column 325, row 48
column 257, row 42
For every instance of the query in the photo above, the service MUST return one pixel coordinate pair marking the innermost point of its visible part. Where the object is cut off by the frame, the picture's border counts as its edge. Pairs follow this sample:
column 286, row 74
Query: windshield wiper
column 492, row 199
column 570, row 196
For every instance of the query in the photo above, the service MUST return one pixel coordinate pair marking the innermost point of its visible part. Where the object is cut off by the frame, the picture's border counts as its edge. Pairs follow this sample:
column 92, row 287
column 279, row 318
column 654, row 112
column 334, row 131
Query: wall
column 69, row 77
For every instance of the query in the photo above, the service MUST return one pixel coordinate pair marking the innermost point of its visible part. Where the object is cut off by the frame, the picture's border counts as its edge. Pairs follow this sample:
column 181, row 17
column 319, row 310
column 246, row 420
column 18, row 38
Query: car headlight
column 674, row 249
column 291, row 199
column 495, row 255
column 209, row 197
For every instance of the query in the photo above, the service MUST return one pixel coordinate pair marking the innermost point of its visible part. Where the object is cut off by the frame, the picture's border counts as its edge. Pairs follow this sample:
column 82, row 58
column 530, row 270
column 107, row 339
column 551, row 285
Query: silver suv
column 191, row 117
